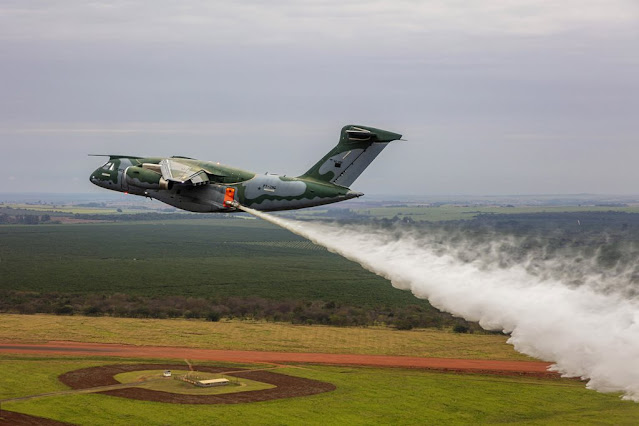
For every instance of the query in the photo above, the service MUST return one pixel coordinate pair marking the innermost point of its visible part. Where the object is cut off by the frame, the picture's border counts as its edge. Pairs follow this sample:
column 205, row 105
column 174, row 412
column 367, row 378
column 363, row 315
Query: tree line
column 24, row 219
column 242, row 308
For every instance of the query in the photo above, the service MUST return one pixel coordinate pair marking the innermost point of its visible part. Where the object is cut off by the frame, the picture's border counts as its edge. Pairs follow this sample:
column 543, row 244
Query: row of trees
column 34, row 219
column 24, row 219
column 244, row 308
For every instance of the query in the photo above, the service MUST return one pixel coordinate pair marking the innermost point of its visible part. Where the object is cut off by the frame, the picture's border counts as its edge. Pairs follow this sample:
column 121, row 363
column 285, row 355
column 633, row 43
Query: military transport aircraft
column 205, row 186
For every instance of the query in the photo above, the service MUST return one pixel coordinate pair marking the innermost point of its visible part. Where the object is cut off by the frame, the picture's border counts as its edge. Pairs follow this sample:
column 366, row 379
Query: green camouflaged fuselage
column 203, row 186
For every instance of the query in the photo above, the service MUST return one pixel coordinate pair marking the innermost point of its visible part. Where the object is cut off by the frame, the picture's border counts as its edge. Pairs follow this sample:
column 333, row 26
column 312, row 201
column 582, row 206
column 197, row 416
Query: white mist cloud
column 586, row 333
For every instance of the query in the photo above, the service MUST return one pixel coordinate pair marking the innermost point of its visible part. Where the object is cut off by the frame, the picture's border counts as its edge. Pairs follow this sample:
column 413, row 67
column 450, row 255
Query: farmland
column 420, row 212
column 216, row 257
column 88, row 269
column 210, row 258
column 204, row 268
column 217, row 267
column 456, row 212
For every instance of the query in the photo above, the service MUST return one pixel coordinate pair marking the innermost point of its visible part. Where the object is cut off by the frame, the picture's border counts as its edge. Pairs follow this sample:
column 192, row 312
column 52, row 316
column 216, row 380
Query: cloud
column 314, row 22
column 526, row 96
column 153, row 128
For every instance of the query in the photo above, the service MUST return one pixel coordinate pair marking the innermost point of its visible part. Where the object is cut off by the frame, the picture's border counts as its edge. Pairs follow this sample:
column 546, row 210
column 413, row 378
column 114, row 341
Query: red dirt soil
column 19, row 419
column 511, row 368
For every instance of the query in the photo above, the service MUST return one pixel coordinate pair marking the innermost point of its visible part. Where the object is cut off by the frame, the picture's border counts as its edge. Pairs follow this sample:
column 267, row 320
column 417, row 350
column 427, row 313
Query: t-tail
column 357, row 148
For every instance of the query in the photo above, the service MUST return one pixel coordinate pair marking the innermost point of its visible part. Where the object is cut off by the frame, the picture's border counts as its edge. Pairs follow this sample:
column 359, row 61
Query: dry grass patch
column 259, row 336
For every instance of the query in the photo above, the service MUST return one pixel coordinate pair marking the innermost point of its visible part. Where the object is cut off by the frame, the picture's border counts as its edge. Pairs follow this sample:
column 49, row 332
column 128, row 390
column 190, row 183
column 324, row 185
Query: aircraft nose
column 93, row 178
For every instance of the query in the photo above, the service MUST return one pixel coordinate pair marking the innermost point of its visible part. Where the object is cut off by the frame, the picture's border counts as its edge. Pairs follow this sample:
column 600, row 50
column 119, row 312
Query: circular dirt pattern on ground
column 286, row 386
column 18, row 419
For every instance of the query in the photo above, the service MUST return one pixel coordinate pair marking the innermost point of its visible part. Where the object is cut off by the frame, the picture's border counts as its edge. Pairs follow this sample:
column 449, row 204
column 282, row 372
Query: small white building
column 212, row 382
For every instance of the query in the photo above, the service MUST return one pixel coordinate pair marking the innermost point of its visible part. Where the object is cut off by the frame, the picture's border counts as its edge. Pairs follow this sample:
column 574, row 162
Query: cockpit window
column 108, row 166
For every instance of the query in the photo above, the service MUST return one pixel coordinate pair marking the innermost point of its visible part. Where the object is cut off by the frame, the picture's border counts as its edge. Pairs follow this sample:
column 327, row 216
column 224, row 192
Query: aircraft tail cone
column 353, row 194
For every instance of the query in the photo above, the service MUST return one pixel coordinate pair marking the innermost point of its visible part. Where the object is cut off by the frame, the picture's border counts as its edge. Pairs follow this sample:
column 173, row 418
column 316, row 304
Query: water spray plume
column 587, row 333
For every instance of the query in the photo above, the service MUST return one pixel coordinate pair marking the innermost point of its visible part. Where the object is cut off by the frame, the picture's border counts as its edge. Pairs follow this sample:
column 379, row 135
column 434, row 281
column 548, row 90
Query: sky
column 492, row 97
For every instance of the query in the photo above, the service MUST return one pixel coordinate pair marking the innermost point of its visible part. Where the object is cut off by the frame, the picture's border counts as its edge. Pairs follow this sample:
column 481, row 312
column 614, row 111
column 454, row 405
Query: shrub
column 213, row 316
column 192, row 314
column 92, row 311
column 64, row 310
column 460, row 328
column 404, row 324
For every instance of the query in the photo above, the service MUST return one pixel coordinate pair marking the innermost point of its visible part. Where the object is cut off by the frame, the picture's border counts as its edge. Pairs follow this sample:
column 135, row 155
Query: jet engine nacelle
column 145, row 178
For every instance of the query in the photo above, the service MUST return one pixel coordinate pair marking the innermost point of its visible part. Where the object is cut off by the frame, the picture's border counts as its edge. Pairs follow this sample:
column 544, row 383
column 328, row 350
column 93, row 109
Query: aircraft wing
column 174, row 170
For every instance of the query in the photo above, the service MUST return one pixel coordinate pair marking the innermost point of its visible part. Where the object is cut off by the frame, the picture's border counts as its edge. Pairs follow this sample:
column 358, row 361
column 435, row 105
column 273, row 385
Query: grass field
column 34, row 376
column 174, row 385
column 363, row 396
column 262, row 336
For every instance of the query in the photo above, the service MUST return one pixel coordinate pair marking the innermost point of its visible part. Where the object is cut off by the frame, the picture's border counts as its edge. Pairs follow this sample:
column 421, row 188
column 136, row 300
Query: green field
column 201, row 258
column 363, row 396
column 454, row 212
column 67, row 209
column 248, row 268
column 22, row 376
column 435, row 213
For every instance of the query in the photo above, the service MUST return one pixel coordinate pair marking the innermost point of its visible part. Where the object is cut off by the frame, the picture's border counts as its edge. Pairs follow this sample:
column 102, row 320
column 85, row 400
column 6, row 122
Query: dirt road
column 515, row 368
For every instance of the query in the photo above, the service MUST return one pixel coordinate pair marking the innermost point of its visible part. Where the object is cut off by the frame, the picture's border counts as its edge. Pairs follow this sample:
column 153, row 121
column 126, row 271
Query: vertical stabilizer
column 357, row 148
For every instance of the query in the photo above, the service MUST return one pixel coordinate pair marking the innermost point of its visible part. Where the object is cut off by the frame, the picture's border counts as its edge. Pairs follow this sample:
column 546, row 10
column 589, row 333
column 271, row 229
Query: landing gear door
column 122, row 177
